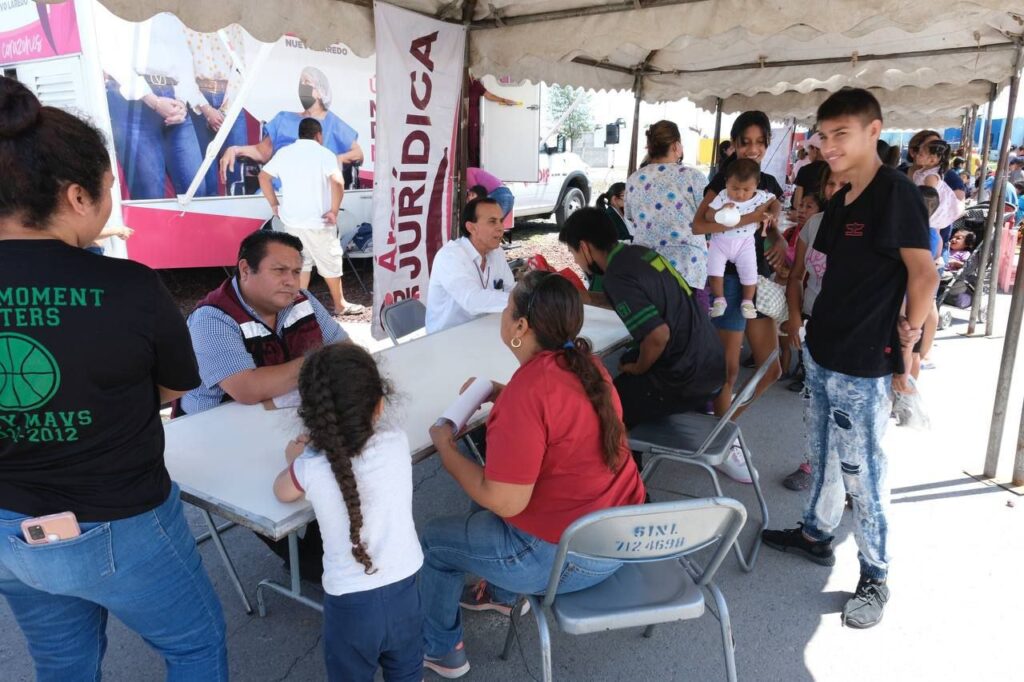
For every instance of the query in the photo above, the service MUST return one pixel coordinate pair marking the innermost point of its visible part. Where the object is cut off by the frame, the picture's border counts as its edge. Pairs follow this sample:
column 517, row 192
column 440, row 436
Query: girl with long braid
column 357, row 474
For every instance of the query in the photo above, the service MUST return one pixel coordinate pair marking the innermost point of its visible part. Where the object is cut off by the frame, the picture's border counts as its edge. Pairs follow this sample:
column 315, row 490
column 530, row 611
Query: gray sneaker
column 799, row 479
column 452, row 665
column 864, row 610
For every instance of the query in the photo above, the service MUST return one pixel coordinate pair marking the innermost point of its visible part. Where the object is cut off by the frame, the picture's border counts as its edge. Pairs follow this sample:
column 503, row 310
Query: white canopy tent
column 926, row 60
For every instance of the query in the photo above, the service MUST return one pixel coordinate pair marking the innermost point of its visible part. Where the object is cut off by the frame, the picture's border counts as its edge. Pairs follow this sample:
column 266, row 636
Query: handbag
column 771, row 299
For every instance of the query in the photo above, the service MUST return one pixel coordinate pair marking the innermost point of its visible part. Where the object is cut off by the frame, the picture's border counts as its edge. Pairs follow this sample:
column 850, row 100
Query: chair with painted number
column 705, row 441
column 403, row 318
column 658, row 583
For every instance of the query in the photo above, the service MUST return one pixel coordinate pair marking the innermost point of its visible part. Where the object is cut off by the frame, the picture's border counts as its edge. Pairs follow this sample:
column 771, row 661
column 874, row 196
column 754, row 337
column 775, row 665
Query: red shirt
column 544, row 431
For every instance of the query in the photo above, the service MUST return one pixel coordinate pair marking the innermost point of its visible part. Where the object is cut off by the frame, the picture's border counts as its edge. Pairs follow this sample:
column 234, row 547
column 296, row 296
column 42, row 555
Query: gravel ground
column 189, row 285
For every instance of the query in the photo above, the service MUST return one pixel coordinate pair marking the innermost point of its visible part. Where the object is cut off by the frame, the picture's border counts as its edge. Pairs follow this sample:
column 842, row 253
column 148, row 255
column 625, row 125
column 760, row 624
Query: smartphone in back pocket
column 53, row 528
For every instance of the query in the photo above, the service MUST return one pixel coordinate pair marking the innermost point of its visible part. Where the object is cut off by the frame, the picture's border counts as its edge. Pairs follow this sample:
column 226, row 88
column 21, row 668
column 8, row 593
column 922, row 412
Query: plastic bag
column 909, row 408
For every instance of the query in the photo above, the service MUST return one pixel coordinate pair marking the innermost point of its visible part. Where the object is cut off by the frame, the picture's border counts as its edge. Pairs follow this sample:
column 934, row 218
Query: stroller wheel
column 945, row 319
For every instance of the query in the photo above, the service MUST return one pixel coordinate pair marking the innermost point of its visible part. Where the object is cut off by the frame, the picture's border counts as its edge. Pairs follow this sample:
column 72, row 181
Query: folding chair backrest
column 746, row 393
column 653, row 532
column 404, row 318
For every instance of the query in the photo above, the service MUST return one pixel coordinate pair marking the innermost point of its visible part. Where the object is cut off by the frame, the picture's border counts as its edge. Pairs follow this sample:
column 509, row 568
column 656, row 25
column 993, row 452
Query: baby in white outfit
column 736, row 244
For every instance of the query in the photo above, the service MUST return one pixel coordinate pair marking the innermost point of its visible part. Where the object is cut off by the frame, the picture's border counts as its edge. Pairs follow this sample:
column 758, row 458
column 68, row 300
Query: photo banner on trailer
column 419, row 84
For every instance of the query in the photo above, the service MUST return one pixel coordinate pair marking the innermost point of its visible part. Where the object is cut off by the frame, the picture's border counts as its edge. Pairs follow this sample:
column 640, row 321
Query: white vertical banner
column 419, row 85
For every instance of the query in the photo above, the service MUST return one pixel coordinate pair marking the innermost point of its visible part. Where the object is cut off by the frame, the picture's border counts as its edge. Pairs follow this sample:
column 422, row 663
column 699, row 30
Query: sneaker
column 799, row 479
column 748, row 310
column 864, row 610
column 477, row 597
column 734, row 466
column 452, row 665
column 794, row 540
column 718, row 307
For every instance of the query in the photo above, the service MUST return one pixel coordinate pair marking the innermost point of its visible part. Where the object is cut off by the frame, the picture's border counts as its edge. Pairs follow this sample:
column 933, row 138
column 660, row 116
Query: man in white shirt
column 470, row 276
column 311, row 191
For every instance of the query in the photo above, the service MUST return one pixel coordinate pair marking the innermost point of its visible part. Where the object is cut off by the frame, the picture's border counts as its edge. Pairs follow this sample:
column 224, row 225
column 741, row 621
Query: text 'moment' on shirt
column 84, row 342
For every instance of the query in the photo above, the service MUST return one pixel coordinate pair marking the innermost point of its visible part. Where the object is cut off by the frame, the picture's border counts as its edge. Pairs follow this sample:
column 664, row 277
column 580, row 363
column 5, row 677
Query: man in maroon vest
column 251, row 335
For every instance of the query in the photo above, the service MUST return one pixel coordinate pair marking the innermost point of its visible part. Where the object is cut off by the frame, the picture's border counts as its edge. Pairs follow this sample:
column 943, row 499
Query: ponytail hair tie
column 569, row 345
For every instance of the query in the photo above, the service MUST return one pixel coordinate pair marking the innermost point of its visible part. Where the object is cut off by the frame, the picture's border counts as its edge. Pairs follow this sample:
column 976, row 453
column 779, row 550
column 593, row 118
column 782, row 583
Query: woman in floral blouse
column 661, row 202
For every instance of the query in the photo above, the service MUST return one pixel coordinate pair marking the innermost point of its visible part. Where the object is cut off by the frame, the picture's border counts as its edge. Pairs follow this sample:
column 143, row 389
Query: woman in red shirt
column 556, row 451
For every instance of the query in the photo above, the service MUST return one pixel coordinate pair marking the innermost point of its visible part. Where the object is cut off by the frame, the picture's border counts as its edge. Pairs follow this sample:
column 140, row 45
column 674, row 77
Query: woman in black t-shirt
column 89, row 349
column 751, row 133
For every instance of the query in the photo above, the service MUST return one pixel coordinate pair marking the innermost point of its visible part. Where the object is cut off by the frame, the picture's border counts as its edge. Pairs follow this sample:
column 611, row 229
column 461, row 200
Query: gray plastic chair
column 656, row 584
column 705, row 441
column 403, row 318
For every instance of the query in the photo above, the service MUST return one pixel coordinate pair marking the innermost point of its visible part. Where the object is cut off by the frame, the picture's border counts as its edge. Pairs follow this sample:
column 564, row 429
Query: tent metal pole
column 986, row 243
column 634, row 142
column 995, row 434
column 460, row 199
column 718, row 133
column 998, row 192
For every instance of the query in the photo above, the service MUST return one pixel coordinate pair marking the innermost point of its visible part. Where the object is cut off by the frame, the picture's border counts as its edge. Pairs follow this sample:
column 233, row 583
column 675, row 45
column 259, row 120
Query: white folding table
column 225, row 459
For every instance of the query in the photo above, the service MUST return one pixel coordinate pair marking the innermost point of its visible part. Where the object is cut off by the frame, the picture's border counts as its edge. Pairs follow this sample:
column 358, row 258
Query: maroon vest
column 300, row 332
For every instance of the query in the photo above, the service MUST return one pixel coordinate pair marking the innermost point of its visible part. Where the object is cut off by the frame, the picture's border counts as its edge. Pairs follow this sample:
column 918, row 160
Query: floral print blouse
column 661, row 202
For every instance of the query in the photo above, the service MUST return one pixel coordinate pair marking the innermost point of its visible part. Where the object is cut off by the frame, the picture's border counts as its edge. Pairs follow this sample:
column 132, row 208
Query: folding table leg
column 203, row 537
column 294, row 591
column 232, row 573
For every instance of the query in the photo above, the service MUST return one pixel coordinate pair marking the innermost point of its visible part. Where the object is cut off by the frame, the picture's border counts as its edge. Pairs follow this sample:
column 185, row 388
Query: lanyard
column 484, row 275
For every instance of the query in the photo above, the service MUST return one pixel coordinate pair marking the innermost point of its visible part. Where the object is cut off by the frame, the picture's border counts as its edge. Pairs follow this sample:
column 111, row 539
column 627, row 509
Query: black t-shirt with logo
column 646, row 292
column 853, row 325
column 767, row 183
column 84, row 342
column 809, row 177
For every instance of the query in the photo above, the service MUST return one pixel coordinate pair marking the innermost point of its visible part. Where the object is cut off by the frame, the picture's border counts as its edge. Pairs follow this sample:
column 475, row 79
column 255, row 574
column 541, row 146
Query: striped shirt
column 220, row 348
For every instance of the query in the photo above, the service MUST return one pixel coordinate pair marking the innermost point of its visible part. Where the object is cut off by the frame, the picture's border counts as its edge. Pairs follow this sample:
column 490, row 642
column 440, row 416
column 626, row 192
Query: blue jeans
column 237, row 136
column 145, row 570
column 381, row 627
column 513, row 562
column 149, row 151
column 506, row 200
column 846, row 418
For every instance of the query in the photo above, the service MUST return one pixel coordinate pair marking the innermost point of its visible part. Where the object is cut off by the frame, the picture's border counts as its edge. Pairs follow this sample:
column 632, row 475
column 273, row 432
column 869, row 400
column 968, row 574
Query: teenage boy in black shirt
column 679, row 364
column 875, row 234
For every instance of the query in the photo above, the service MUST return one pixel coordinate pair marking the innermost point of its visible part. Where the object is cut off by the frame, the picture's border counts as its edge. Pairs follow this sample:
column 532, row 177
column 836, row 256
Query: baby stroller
column 956, row 287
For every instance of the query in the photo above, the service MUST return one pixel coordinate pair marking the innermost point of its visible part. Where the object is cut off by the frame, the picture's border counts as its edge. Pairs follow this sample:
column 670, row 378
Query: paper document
column 468, row 403
column 289, row 399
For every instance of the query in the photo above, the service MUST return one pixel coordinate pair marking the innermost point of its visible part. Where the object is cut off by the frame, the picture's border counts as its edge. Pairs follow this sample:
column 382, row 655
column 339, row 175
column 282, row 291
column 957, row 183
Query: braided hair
column 340, row 387
column 554, row 310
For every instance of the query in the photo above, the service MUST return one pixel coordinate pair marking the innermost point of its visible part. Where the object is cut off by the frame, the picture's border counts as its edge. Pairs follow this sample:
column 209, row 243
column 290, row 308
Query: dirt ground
column 189, row 285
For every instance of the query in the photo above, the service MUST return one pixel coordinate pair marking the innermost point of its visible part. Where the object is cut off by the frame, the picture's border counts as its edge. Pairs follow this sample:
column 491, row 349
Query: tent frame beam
column 647, row 71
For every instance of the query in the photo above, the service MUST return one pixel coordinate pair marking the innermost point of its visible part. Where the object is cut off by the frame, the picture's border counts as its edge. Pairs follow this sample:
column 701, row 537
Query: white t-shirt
column 304, row 169
column 460, row 290
column 384, row 478
column 747, row 207
column 814, row 262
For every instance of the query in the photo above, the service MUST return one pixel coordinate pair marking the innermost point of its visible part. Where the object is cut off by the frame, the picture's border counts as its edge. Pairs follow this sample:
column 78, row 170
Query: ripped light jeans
column 846, row 417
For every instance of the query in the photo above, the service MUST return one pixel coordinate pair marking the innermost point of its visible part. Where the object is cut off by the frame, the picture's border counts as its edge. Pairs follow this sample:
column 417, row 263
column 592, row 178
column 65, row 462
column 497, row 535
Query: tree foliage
column 579, row 121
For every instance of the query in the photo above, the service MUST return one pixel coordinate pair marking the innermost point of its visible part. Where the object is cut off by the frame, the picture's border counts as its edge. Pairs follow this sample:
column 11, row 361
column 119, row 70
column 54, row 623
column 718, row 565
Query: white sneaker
column 718, row 307
column 735, row 467
column 748, row 310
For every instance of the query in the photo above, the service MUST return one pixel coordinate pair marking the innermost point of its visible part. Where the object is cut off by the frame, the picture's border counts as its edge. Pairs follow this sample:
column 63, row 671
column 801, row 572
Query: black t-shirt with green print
column 84, row 342
column 646, row 292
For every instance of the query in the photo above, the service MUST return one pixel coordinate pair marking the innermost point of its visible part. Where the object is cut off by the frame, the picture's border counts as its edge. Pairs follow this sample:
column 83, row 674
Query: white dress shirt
column 460, row 289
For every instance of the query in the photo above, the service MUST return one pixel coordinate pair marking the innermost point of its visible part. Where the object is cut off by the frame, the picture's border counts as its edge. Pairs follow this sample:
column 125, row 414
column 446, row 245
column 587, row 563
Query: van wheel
column 571, row 202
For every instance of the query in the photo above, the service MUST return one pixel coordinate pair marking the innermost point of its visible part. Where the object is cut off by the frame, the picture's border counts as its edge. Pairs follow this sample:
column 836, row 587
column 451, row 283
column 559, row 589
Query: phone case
column 53, row 528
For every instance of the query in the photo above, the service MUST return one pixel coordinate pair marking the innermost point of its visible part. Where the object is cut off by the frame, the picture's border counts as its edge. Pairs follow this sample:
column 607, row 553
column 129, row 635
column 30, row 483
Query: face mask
column 306, row 96
column 593, row 268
